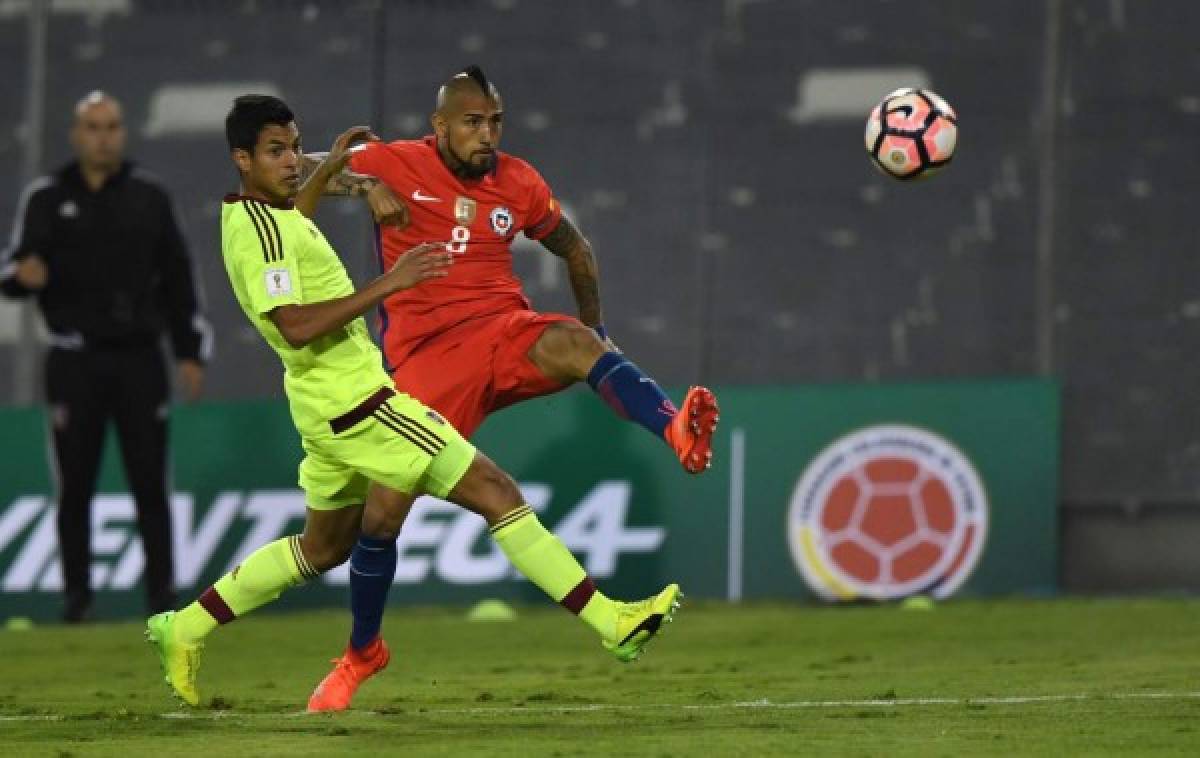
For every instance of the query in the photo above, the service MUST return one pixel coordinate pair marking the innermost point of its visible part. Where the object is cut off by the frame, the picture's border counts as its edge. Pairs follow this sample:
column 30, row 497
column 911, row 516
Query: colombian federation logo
column 886, row 512
column 501, row 220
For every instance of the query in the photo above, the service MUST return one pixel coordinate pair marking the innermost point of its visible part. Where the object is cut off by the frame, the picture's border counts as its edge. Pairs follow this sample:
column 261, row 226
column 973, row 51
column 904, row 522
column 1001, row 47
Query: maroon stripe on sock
column 579, row 597
column 216, row 606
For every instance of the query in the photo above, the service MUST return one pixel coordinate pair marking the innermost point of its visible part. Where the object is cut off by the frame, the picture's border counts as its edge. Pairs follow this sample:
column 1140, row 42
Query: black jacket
column 119, row 271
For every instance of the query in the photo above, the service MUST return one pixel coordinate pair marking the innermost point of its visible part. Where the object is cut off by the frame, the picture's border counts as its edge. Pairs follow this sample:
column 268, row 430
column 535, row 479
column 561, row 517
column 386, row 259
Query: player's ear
column 242, row 159
column 438, row 122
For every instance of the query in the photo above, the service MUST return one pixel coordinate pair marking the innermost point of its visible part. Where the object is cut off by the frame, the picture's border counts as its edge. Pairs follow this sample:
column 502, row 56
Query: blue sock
column 630, row 393
column 372, row 569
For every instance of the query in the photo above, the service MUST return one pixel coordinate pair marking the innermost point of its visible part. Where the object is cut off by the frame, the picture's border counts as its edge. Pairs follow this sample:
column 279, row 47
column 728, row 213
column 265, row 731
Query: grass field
column 1068, row 677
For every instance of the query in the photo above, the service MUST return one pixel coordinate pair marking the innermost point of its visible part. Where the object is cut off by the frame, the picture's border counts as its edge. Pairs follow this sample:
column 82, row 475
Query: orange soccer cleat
column 337, row 689
column 690, row 432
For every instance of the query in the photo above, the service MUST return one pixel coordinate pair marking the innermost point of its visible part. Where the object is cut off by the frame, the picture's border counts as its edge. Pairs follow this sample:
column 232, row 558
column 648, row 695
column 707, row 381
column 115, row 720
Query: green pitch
column 1045, row 678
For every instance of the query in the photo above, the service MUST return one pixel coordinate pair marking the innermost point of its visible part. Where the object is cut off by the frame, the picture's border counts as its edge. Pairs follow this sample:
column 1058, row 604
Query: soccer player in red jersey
column 470, row 343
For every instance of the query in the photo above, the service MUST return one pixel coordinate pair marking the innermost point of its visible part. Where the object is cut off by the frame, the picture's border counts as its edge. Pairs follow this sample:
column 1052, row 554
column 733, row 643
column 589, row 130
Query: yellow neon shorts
column 397, row 442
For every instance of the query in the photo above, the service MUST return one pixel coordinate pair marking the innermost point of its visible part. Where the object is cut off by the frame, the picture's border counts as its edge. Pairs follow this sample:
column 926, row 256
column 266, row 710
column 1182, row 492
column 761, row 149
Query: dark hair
column 476, row 73
column 248, row 116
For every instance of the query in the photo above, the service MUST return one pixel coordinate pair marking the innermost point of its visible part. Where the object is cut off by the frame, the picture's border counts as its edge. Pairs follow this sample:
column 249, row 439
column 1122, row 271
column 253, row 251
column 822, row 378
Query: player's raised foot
column 180, row 660
column 690, row 432
column 337, row 689
column 639, row 622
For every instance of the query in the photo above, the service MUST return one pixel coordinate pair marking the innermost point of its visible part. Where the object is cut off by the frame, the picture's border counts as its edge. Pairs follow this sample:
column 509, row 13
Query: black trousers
column 85, row 389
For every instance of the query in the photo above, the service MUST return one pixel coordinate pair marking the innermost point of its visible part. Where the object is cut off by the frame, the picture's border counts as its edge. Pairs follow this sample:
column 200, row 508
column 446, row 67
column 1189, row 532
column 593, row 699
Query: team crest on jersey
column 464, row 210
column 501, row 220
column 68, row 209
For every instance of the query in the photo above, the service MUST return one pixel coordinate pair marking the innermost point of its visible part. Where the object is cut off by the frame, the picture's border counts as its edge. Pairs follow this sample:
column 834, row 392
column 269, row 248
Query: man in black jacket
column 98, row 244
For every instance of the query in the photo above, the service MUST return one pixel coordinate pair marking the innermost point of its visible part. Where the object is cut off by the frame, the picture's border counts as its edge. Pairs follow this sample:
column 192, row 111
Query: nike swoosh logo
column 417, row 195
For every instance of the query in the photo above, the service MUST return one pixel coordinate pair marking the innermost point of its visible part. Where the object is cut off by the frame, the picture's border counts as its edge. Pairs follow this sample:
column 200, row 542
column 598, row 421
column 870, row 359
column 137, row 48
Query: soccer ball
column 911, row 134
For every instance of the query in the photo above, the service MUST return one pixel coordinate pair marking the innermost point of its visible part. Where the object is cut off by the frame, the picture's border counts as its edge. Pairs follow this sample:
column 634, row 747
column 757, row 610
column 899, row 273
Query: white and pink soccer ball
column 911, row 134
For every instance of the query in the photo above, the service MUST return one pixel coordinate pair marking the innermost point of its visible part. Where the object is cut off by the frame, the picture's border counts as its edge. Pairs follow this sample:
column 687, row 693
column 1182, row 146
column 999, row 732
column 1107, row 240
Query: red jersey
column 479, row 219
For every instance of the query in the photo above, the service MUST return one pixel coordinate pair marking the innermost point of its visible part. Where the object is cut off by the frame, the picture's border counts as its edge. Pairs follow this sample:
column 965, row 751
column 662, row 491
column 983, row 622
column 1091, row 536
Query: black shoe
column 78, row 610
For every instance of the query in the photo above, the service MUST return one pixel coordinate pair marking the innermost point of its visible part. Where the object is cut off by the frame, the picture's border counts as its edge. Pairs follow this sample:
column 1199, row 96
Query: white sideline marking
column 899, row 702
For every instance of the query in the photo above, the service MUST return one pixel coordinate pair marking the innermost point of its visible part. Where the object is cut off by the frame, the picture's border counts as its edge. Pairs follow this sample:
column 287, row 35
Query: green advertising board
column 833, row 491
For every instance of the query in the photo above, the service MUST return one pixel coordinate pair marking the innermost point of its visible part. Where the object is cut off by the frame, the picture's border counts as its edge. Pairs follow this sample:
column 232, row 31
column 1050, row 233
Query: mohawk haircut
column 476, row 73
column 465, row 82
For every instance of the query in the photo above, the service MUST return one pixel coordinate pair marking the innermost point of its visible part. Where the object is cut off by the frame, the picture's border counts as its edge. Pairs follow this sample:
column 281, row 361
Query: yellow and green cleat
column 637, row 623
column 180, row 660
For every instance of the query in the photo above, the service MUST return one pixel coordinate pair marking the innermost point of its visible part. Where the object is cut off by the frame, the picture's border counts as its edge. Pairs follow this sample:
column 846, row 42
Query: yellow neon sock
column 545, row 560
column 258, row 580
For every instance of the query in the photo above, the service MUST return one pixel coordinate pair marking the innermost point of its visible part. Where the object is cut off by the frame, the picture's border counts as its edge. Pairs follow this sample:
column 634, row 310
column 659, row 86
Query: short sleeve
column 266, row 266
column 367, row 158
column 544, row 211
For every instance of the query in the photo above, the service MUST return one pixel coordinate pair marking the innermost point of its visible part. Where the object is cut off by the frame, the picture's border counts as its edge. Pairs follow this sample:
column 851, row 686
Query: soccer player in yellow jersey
column 368, row 449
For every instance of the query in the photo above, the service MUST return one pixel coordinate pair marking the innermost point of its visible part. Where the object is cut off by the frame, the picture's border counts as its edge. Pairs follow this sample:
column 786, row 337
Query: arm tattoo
column 347, row 183
column 567, row 243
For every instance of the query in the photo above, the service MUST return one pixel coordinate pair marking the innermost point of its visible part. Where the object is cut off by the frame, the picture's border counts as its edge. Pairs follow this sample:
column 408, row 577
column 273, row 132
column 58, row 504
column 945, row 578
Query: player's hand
column 428, row 260
column 191, row 379
column 32, row 273
column 387, row 209
column 339, row 154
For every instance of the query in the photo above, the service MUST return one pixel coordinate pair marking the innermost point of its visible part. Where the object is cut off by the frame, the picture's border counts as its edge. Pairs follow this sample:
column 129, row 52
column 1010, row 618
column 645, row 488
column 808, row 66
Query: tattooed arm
column 386, row 208
column 345, row 182
column 567, row 243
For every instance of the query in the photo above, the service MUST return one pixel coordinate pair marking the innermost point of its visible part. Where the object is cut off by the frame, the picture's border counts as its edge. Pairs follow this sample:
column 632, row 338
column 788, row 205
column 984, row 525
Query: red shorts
column 479, row 366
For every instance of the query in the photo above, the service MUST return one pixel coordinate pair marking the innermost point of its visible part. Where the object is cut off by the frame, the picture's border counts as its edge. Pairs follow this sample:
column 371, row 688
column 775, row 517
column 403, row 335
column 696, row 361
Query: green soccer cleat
column 179, row 660
column 637, row 623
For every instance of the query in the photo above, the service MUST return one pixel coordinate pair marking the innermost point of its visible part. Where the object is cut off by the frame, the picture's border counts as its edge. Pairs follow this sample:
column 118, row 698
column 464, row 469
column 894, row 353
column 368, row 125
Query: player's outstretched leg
column 624, row 628
column 178, row 636
column 633, row 395
column 569, row 351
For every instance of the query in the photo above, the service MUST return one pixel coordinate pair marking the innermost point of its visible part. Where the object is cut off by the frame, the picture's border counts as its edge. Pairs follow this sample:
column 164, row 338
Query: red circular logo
column 887, row 512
